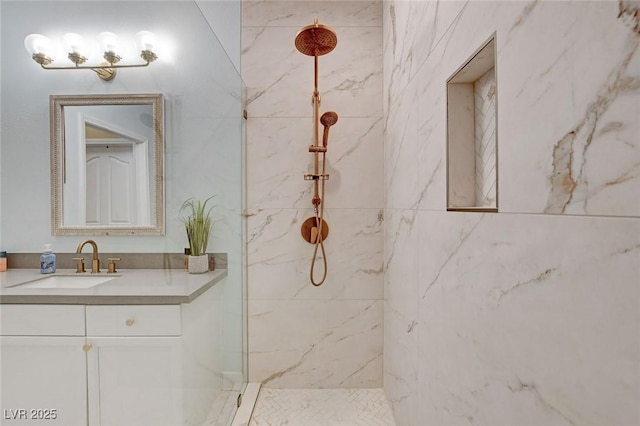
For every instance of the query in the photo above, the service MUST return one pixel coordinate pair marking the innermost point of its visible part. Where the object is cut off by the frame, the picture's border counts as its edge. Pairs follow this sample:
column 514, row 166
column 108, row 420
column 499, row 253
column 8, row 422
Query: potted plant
column 198, row 226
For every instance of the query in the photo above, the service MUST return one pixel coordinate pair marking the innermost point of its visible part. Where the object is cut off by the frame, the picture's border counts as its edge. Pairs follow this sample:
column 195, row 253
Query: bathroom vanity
column 142, row 348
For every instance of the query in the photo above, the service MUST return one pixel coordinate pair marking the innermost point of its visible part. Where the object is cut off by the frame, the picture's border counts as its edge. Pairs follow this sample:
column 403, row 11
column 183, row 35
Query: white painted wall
column 202, row 152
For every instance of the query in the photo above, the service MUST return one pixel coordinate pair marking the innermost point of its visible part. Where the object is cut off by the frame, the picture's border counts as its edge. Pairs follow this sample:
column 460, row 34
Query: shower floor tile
column 321, row 407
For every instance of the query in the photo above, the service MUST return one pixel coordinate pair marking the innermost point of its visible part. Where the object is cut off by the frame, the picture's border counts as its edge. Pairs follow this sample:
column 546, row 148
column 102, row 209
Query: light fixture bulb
column 37, row 44
column 74, row 43
column 146, row 41
column 108, row 42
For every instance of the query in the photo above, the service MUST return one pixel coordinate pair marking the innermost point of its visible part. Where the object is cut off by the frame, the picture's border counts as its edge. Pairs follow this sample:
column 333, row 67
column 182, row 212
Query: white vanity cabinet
column 134, row 381
column 134, row 364
column 43, row 365
column 155, row 365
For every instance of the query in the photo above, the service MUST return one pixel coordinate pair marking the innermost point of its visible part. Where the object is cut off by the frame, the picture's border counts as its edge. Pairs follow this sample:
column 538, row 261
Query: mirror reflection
column 107, row 164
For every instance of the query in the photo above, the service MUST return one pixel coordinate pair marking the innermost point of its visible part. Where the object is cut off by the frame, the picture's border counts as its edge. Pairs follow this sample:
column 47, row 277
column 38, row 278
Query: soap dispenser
column 3, row 261
column 47, row 261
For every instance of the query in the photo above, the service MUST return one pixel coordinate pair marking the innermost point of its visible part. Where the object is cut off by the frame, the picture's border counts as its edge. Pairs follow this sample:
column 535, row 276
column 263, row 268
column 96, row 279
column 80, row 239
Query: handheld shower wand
column 328, row 119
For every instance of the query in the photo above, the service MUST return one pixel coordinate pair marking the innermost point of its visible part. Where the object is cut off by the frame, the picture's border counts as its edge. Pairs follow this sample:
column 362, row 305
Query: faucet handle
column 112, row 265
column 79, row 264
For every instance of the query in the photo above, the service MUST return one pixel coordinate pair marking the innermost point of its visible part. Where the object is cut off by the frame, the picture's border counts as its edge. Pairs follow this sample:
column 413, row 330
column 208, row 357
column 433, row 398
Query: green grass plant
column 197, row 224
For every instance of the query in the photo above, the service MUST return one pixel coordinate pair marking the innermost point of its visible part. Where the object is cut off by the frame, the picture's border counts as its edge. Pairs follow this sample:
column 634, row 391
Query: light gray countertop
column 129, row 286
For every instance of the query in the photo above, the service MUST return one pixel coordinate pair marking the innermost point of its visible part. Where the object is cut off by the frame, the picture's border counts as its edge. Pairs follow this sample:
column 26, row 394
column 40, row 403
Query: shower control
column 311, row 176
column 309, row 230
column 317, row 40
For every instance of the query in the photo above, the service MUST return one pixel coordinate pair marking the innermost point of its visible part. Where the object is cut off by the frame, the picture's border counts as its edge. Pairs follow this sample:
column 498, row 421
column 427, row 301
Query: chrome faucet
column 95, row 264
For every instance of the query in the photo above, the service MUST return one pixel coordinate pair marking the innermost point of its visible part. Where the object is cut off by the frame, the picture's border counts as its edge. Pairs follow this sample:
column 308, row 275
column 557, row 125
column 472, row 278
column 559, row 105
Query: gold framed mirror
column 107, row 158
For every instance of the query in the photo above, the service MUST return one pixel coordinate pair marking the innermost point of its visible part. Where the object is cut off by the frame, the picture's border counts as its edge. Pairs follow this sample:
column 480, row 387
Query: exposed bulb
column 74, row 43
column 37, row 44
column 145, row 41
column 108, row 42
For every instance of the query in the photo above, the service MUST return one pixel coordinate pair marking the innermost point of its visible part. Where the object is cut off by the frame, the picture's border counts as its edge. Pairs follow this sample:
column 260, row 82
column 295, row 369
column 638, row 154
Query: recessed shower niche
column 472, row 172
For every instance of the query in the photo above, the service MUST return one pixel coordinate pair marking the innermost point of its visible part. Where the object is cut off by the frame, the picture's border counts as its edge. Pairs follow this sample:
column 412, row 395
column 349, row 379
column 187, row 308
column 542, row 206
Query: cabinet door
column 134, row 381
column 44, row 381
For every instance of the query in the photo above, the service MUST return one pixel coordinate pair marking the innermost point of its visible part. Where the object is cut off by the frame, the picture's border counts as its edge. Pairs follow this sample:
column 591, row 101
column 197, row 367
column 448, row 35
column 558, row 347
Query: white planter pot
column 198, row 264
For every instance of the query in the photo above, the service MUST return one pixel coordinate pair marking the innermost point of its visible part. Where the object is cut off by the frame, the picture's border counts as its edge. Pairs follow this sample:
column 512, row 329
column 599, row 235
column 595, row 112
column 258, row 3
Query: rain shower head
column 328, row 119
column 316, row 40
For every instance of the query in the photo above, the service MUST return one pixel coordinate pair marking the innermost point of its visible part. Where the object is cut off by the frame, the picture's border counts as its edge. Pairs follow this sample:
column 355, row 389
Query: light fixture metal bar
column 91, row 67
column 105, row 70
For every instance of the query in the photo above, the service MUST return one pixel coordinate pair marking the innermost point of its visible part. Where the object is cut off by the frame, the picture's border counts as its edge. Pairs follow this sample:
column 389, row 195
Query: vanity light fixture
column 41, row 48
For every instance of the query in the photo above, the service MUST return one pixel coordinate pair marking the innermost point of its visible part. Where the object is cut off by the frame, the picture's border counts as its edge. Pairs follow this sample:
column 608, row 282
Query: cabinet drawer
column 134, row 320
column 42, row 320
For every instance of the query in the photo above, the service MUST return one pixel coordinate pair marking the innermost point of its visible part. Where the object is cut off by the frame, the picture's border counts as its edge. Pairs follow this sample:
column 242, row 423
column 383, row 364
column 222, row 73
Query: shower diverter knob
column 309, row 230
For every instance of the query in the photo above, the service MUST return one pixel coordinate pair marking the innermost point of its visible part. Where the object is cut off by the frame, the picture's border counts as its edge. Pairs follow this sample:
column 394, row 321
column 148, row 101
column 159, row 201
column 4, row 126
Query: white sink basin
column 67, row 281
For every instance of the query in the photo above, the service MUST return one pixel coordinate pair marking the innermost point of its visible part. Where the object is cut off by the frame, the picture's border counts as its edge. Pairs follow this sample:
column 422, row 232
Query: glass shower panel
column 204, row 156
column 218, row 128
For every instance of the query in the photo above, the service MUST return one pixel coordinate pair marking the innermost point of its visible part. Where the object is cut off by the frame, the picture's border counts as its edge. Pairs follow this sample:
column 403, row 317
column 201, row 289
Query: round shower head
column 316, row 40
column 329, row 118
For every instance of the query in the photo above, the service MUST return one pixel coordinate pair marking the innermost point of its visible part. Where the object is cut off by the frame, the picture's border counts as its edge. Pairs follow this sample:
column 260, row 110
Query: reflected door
column 111, row 185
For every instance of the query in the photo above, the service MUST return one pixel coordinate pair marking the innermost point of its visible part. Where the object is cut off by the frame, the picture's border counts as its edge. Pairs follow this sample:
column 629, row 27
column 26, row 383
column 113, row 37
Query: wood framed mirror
column 107, row 157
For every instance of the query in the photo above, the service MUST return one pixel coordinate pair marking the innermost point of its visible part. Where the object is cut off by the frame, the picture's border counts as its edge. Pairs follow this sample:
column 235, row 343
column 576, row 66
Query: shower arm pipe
column 316, row 106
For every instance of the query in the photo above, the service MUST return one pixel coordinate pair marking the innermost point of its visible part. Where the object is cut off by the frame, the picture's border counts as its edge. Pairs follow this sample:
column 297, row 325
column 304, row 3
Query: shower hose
column 319, row 212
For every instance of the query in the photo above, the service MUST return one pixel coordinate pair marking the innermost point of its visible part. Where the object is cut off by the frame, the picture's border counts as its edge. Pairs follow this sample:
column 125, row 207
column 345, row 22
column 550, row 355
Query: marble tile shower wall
column 529, row 316
column 299, row 335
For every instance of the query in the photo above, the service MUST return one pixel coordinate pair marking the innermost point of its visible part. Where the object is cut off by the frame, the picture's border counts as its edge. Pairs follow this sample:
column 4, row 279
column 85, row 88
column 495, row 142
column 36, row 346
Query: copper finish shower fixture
column 317, row 40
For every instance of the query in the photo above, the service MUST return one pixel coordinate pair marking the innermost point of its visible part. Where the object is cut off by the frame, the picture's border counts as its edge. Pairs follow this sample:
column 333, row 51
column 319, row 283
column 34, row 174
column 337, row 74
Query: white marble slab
column 576, row 98
column 537, row 314
column 593, row 172
column 279, row 258
column 399, row 29
column 278, row 149
column 349, row 77
column 522, row 318
column 401, row 152
column 322, row 344
column 401, row 314
column 261, row 13
column 280, row 83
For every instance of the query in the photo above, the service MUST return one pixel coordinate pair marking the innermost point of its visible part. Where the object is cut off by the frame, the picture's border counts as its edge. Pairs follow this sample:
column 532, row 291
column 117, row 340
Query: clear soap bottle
column 3, row 261
column 47, row 260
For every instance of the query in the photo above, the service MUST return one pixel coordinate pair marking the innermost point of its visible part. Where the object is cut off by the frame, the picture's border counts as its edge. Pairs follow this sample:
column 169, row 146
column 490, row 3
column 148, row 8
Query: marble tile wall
column 529, row 316
column 484, row 90
column 302, row 336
